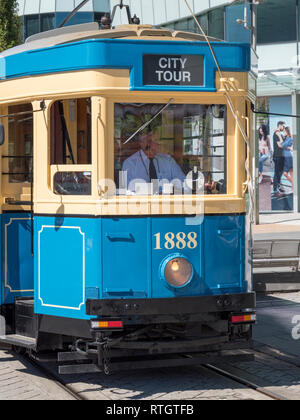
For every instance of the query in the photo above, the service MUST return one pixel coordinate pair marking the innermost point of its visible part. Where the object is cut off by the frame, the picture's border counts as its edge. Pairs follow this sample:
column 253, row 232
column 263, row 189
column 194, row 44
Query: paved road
column 279, row 322
column 20, row 381
column 275, row 328
column 193, row 383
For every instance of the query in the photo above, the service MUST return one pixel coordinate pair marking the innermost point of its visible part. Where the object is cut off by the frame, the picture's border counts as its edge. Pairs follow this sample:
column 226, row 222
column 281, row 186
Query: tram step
column 26, row 321
column 78, row 369
column 177, row 362
column 187, row 360
column 71, row 357
column 19, row 341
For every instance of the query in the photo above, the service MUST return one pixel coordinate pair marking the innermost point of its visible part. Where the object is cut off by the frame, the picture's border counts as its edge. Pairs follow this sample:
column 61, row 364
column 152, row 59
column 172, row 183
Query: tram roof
column 88, row 31
column 84, row 47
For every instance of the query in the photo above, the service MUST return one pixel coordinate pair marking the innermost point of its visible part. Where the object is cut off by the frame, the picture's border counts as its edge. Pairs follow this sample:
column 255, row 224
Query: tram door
column 17, row 258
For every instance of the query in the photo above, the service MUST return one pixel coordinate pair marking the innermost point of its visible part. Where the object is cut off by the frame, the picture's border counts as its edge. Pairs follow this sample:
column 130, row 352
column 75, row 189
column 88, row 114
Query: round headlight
column 178, row 272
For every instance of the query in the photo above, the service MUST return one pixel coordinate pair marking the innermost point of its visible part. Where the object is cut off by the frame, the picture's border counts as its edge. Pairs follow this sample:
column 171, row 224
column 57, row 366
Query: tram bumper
column 177, row 307
column 216, row 338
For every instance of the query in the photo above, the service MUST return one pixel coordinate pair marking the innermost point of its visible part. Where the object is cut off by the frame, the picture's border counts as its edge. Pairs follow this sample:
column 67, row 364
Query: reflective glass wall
column 278, row 21
column 44, row 15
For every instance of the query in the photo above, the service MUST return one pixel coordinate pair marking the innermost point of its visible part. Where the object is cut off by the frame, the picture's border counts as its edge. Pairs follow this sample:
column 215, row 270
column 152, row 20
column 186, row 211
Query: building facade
column 215, row 16
column 44, row 15
column 277, row 37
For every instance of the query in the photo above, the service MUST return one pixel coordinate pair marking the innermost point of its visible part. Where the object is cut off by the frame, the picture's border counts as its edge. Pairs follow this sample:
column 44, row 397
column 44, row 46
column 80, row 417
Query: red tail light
column 102, row 325
column 243, row 318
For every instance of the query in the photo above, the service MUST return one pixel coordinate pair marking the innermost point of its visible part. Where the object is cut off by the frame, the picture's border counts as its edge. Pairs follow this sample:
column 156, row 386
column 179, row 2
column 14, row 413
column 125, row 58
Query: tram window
column 182, row 139
column 20, row 143
column 70, row 144
column 72, row 183
column 70, row 132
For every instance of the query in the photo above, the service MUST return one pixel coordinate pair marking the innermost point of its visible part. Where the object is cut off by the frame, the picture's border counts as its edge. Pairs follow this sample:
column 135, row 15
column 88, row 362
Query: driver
column 149, row 165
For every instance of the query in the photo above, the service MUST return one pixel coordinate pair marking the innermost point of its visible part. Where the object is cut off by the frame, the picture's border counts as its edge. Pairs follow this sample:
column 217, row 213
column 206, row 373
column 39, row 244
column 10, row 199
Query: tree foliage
column 10, row 24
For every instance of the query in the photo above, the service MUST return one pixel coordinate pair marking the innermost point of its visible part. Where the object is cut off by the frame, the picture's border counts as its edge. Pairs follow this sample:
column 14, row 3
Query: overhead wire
column 234, row 112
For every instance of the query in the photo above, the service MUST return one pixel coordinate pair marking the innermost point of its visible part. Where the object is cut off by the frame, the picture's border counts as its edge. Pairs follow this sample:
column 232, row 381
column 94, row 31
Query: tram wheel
column 19, row 350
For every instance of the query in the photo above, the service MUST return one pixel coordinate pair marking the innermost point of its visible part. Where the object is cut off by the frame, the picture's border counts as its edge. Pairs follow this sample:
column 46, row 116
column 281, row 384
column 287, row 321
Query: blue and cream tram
column 125, row 238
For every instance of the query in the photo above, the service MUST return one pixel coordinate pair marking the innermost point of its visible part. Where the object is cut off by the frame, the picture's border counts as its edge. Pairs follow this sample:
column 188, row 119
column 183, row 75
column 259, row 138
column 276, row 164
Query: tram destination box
column 170, row 70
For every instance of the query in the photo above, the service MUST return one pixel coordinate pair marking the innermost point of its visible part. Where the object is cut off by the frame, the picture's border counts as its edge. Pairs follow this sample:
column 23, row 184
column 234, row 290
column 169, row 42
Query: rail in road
column 266, row 378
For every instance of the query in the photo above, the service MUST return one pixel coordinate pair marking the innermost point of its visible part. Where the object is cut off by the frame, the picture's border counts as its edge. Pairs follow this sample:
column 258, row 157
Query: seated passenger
column 149, row 165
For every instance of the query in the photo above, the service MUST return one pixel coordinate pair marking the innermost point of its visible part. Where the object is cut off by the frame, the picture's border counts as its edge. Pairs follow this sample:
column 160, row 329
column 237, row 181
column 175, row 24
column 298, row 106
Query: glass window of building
column 181, row 25
column 61, row 16
column 47, row 22
column 203, row 20
column 235, row 32
column 216, row 23
column 32, row 25
column 84, row 17
column 276, row 21
column 182, row 140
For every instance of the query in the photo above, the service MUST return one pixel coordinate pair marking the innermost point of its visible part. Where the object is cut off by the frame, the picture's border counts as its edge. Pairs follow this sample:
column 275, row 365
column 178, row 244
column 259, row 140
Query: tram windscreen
column 181, row 140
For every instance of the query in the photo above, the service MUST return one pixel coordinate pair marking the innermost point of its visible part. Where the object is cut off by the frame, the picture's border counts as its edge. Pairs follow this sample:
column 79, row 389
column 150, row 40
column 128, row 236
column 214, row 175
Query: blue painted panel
column 67, row 265
column 81, row 258
column 17, row 260
column 110, row 54
column 126, row 258
column 224, row 241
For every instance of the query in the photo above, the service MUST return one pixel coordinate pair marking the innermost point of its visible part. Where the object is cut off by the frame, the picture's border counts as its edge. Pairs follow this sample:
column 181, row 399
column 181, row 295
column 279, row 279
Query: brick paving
column 195, row 383
column 20, row 381
column 272, row 374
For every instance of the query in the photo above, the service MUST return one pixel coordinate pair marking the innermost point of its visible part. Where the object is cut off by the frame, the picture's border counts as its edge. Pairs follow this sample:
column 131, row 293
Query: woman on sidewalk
column 264, row 149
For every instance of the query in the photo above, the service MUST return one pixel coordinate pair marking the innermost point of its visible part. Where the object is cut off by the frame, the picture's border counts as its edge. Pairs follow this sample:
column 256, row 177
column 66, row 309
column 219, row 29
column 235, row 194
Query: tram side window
column 70, row 144
column 20, row 143
column 181, row 140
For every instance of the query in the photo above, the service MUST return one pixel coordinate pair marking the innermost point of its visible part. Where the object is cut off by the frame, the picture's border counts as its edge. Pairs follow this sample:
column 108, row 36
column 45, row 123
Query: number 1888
column 180, row 241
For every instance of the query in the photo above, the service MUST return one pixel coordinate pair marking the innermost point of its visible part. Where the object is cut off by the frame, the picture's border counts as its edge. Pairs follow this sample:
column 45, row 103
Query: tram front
column 139, row 236
column 176, row 259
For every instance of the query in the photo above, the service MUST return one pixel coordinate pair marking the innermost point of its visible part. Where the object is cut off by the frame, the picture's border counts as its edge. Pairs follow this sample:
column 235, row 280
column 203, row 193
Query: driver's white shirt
column 137, row 168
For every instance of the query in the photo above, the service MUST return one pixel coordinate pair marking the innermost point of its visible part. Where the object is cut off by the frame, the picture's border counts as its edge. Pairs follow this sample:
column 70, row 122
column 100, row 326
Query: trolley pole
column 250, row 23
column 253, row 8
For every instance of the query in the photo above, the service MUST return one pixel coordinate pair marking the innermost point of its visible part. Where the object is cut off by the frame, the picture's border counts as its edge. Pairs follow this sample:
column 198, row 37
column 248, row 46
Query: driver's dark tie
column 152, row 170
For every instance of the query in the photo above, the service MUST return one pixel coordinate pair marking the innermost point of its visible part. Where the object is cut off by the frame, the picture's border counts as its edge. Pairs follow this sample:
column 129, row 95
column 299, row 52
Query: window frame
column 15, row 191
column 54, row 168
column 234, row 178
column 186, row 157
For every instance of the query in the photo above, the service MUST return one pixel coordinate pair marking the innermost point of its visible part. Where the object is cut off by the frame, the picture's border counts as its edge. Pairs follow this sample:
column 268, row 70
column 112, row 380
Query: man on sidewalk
column 278, row 157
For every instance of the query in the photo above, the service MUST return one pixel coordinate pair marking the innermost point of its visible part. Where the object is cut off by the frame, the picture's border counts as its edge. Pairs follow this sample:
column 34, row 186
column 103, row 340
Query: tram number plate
column 180, row 240
column 170, row 70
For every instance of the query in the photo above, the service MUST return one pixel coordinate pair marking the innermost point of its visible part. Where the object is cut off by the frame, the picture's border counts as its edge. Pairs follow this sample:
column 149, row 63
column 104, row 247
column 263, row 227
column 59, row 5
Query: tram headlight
column 177, row 271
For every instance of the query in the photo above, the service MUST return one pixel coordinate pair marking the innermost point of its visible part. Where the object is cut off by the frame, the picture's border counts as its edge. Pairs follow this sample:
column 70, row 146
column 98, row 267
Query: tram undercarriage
column 139, row 339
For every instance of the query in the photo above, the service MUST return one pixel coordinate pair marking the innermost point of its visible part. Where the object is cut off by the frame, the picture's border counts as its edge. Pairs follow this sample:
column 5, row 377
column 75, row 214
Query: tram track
column 273, row 357
column 52, row 376
column 217, row 370
column 232, row 375
column 225, row 372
